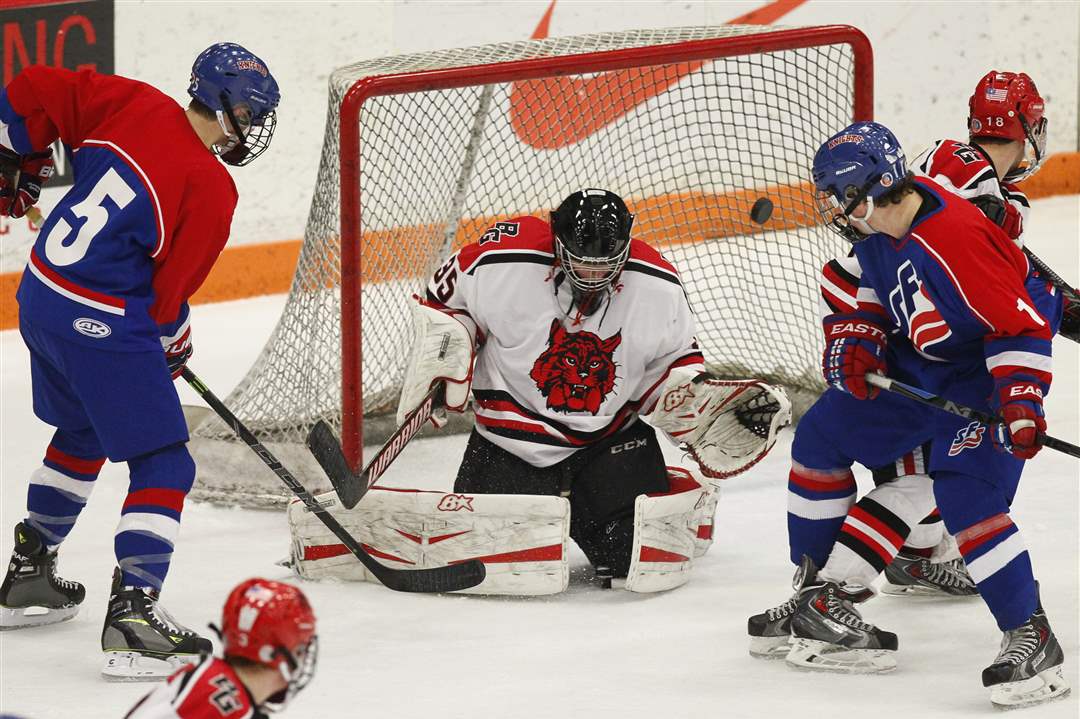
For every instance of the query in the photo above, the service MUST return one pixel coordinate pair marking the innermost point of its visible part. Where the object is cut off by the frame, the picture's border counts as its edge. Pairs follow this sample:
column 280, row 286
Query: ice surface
column 585, row 653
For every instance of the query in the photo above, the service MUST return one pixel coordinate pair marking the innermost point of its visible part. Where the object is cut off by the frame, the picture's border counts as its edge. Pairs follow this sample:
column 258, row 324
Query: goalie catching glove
column 443, row 349
column 726, row 425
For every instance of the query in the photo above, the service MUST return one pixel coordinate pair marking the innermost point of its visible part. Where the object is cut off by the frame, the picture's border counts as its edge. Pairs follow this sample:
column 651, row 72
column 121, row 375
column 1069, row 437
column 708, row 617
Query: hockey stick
column 923, row 397
column 437, row 579
column 1053, row 277
column 351, row 487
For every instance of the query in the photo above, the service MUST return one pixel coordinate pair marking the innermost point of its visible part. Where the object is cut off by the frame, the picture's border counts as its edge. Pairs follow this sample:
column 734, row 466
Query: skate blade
column 1046, row 686
column 24, row 617
column 817, row 655
column 914, row 590
column 135, row 667
column 770, row 647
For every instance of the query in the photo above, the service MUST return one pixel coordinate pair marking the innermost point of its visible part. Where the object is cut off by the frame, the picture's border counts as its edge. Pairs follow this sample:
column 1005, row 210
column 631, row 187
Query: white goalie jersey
column 548, row 381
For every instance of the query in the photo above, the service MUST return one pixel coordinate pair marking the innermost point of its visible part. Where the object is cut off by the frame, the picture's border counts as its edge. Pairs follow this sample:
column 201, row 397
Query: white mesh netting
column 689, row 145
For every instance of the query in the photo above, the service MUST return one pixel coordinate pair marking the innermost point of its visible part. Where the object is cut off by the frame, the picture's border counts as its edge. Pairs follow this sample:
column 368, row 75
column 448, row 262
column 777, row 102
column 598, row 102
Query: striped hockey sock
column 150, row 518
column 60, row 487
column 818, row 502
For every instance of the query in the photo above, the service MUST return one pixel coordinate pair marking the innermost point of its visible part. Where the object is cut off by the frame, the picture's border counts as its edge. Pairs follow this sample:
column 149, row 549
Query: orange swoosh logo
column 559, row 111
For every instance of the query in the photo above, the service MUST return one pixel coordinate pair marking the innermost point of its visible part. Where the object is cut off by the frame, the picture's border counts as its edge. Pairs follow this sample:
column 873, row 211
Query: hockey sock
column 150, row 518
column 977, row 514
column 925, row 535
column 818, row 502
column 876, row 527
column 60, row 487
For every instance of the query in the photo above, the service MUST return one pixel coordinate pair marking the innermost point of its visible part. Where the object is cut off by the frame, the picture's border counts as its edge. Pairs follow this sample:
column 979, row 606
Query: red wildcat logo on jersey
column 969, row 437
column 576, row 372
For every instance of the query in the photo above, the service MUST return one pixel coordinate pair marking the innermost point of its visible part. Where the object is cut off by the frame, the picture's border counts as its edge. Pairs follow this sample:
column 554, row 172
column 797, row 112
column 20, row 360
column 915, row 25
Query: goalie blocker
column 522, row 539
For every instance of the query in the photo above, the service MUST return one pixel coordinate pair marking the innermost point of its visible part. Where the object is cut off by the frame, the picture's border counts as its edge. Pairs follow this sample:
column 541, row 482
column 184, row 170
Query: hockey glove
column 1018, row 400
column 1070, row 318
column 443, row 348
column 178, row 352
column 854, row 345
column 21, row 178
column 727, row 426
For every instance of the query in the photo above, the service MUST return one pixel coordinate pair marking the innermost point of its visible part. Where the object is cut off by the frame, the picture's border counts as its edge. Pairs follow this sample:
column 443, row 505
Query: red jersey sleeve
column 201, row 232
column 48, row 100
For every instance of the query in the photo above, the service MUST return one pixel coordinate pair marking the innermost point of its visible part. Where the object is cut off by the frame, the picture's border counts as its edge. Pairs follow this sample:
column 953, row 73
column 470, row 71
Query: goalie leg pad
column 666, row 528
column 522, row 539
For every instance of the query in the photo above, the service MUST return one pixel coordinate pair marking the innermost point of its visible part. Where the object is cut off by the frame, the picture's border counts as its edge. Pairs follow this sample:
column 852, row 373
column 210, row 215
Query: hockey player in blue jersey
column 946, row 301
column 103, row 311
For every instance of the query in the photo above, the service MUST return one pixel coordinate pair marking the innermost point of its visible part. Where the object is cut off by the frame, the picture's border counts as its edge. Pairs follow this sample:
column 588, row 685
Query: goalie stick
column 437, row 579
column 923, row 397
column 351, row 487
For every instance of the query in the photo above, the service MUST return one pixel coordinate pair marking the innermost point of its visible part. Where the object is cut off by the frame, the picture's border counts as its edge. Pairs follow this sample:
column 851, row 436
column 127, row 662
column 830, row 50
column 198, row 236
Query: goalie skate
column 1028, row 669
column 917, row 576
column 829, row 634
column 32, row 595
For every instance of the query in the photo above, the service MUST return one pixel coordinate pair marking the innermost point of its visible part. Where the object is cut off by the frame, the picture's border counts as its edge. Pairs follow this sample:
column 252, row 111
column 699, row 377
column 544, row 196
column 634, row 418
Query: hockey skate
column 910, row 575
column 770, row 631
column 829, row 634
column 141, row 641
column 1028, row 669
column 32, row 594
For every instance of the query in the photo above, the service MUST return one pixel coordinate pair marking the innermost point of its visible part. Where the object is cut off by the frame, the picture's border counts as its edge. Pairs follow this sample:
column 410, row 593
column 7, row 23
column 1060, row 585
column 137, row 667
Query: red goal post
column 422, row 151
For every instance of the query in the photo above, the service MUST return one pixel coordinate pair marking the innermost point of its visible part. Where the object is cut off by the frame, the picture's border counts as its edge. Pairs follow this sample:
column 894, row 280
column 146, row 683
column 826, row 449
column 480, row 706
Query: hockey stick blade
column 349, row 486
column 324, row 446
column 922, row 396
column 437, row 579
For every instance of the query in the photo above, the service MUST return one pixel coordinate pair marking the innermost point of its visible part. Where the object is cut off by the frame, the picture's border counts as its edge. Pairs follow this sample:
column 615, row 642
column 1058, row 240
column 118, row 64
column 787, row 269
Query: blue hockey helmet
column 237, row 86
column 861, row 162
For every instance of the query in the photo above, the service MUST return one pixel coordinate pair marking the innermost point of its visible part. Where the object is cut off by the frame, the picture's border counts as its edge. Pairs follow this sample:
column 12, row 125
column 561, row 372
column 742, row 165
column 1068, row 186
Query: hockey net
column 423, row 151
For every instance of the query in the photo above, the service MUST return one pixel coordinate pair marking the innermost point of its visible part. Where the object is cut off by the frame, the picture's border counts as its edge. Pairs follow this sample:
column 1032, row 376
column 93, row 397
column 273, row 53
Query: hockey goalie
column 564, row 332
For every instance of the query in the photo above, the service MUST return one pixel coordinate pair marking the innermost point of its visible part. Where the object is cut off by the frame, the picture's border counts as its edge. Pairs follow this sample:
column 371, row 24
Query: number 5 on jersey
column 58, row 250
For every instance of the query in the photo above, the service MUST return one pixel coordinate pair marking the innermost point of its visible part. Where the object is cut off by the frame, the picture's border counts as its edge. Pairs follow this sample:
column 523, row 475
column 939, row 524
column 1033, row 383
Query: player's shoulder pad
column 962, row 164
column 212, row 683
column 958, row 233
column 647, row 260
column 518, row 239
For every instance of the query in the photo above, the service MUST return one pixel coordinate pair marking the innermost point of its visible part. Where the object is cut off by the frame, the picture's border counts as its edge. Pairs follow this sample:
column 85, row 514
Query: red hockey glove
column 178, row 353
column 1019, row 402
column 854, row 345
column 21, row 178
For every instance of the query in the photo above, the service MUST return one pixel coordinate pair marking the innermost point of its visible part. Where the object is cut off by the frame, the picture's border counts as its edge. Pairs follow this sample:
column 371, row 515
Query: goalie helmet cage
column 423, row 152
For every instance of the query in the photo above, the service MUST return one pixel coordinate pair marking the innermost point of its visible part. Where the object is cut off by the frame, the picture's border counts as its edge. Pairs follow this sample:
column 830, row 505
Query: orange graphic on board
column 557, row 112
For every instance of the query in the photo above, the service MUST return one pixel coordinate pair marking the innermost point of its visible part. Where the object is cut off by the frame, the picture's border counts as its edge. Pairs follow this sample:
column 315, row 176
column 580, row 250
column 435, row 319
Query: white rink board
column 587, row 652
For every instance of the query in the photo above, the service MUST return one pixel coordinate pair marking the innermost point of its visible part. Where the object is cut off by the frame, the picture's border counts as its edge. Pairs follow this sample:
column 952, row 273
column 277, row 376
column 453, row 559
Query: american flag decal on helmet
column 997, row 94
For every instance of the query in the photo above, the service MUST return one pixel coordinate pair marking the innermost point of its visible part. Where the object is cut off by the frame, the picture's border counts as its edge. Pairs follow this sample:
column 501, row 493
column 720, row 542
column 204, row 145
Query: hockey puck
column 761, row 211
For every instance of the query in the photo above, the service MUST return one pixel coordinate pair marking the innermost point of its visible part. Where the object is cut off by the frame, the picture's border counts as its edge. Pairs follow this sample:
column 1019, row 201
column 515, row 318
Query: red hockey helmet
column 1007, row 105
column 272, row 623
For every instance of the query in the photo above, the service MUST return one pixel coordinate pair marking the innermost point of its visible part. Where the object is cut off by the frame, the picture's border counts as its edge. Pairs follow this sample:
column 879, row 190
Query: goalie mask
column 592, row 244
column 1007, row 105
column 860, row 163
column 272, row 624
column 237, row 86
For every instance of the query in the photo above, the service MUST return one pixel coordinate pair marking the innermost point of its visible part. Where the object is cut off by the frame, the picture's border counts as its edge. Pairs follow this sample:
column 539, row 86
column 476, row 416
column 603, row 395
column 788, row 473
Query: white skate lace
column 844, row 612
column 784, row 610
column 1018, row 645
column 57, row 580
column 162, row 617
column 949, row 574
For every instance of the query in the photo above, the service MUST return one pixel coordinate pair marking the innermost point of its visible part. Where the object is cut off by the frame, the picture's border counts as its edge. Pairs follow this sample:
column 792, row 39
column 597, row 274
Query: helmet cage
column 1034, row 149
column 247, row 137
column 838, row 217
column 297, row 668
